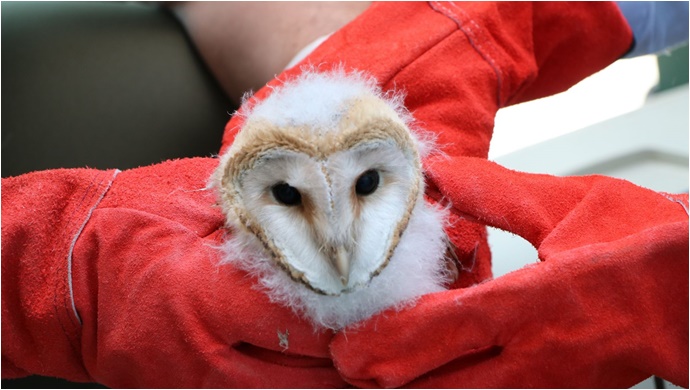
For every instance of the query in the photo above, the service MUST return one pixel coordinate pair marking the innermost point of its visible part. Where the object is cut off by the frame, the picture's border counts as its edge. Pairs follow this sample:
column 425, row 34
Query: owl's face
column 323, row 191
column 322, row 179
column 328, row 204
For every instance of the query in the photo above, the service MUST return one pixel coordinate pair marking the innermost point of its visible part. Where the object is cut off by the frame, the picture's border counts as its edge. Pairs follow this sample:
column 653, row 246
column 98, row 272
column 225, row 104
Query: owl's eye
column 367, row 183
column 286, row 194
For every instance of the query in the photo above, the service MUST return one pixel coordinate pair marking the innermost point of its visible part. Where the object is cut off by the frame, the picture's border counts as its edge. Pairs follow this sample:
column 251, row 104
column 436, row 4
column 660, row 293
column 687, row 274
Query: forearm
column 656, row 25
column 245, row 44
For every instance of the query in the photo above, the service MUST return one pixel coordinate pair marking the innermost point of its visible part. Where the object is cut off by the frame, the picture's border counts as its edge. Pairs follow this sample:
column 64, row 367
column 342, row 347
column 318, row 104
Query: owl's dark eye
column 367, row 183
column 286, row 194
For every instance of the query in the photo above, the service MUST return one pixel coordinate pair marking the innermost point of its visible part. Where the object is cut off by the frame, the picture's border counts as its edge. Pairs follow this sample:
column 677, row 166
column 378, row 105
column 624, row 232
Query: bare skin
column 245, row 44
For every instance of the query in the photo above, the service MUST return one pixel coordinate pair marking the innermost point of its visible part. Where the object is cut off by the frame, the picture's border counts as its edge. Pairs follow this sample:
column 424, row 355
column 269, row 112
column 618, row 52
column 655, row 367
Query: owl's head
column 324, row 174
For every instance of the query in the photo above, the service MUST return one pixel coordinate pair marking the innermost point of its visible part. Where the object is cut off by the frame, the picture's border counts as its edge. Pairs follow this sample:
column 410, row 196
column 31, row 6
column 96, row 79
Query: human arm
column 451, row 101
column 529, row 367
column 657, row 25
column 246, row 44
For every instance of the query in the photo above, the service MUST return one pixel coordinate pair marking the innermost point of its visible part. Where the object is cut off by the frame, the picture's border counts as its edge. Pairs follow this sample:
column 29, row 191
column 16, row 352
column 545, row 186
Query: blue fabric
column 656, row 25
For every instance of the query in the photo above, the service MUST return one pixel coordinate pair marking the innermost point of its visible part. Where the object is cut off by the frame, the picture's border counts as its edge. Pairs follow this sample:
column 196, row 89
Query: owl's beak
column 342, row 264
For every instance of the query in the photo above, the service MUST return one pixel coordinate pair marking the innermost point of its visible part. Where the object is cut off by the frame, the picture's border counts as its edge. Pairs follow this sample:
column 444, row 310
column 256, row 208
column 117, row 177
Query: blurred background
column 104, row 85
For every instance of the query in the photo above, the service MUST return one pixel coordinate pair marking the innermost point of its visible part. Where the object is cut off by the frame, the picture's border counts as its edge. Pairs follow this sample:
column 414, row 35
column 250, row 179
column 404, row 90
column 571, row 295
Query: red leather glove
column 114, row 278
column 607, row 307
column 460, row 62
column 172, row 327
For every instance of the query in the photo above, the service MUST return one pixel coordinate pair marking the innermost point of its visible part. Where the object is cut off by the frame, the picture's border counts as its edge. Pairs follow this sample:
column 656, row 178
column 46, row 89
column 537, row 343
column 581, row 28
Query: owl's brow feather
column 268, row 138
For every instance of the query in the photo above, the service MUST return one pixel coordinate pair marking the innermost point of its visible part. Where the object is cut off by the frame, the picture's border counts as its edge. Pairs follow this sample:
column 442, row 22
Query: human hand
column 606, row 307
column 120, row 284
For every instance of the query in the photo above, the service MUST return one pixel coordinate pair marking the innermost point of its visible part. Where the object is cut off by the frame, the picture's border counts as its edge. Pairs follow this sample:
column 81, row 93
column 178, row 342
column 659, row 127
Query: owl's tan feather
column 358, row 253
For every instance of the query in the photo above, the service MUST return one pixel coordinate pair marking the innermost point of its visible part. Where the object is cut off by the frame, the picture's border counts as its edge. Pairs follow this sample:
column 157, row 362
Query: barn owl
column 323, row 192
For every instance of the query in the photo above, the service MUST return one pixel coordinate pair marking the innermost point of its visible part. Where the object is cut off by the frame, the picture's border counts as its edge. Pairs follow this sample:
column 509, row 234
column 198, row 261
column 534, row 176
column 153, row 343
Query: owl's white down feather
column 417, row 265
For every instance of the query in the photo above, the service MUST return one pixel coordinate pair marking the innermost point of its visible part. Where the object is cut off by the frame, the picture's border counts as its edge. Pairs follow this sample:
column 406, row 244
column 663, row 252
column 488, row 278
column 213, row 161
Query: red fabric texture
column 459, row 62
column 156, row 309
column 153, row 309
column 606, row 307
column 41, row 215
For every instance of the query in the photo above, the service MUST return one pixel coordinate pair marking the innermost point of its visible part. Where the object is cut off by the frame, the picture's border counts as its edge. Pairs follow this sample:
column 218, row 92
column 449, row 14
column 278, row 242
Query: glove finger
column 534, row 205
column 591, row 319
column 394, row 348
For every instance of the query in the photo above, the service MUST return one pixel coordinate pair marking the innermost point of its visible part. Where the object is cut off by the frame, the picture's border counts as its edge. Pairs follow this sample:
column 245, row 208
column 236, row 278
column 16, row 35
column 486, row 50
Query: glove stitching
column 76, row 237
column 86, row 199
column 472, row 31
column 58, row 279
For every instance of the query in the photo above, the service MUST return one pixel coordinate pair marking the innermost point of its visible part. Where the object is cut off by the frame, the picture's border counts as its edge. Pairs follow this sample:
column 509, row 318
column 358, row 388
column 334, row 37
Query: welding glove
column 114, row 278
column 460, row 62
column 606, row 307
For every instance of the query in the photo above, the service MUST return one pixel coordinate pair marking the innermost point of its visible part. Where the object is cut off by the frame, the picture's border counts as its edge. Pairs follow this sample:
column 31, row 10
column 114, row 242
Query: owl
column 323, row 194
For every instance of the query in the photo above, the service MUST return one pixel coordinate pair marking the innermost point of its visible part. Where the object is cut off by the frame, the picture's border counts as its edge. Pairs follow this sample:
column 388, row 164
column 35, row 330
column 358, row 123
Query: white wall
column 605, row 125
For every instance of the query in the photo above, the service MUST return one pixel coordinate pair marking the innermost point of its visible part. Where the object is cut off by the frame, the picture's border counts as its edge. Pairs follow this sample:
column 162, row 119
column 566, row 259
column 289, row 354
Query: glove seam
column 73, row 243
column 473, row 32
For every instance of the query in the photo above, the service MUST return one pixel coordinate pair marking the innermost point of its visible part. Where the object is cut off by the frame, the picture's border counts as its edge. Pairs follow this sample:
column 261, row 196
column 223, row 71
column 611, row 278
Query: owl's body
column 323, row 190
